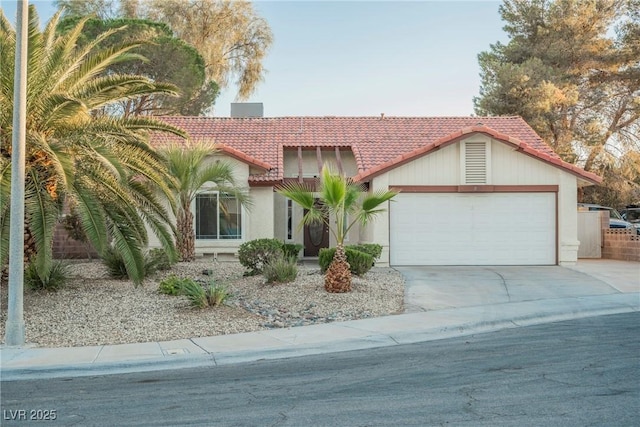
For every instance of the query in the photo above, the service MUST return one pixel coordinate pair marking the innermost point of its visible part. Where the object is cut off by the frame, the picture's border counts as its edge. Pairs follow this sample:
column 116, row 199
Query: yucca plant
column 216, row 294
column 201, row 296
column 79, row 152
column 346, row 203
column 195, row 293
column 281, row 269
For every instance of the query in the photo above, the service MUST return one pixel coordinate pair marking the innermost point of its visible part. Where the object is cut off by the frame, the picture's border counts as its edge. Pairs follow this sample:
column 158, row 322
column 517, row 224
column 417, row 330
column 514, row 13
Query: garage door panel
column 473, row 229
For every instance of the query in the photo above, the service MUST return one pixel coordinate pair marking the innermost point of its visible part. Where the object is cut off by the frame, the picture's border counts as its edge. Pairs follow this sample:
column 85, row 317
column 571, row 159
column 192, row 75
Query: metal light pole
column 14, row 335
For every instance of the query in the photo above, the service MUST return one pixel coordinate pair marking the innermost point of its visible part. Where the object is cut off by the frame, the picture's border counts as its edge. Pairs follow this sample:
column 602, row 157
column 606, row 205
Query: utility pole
column 14, row 335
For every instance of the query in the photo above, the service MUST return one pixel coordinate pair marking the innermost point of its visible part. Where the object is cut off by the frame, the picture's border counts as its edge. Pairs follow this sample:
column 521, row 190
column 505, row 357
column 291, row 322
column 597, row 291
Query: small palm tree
column 193, row 172
column 77, row 155
column 345, row 201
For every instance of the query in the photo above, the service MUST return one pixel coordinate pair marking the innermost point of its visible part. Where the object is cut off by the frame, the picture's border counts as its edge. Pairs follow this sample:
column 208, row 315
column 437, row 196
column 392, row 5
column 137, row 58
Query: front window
column 289, row 219
column 218, row 216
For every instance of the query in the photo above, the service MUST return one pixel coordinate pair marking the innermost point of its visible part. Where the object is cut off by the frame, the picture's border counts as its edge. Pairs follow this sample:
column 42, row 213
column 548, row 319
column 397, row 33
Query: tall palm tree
column 76, row 154
column 343, row 201
column 193, row 171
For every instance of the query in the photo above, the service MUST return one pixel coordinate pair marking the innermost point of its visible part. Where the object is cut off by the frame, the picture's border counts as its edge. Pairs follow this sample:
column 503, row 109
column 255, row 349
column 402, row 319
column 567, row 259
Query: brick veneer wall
column 621, row 244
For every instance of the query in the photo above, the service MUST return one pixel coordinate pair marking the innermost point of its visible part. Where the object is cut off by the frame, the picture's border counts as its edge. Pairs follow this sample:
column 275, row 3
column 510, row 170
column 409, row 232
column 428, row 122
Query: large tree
column 98, row 165
column 185, row 67
column 572, row 70
column 194, row 171
column 230, row 36
column 343, row 204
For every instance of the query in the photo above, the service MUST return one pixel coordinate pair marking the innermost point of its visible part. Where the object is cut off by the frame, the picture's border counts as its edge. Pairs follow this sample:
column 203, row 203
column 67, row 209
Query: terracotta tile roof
column 377, row 143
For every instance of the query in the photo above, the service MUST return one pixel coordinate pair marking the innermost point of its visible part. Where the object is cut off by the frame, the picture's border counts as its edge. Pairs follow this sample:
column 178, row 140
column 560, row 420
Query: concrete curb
column 209, row 352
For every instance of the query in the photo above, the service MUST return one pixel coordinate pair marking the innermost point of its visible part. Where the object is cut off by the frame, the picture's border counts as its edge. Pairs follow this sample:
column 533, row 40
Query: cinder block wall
column 621, row 244
column 64, row 247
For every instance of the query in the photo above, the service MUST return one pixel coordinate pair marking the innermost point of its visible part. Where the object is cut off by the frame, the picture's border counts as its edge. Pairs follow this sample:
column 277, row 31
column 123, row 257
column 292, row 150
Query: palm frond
column 373, row 200
column 42, row 213
column 108, row 90
column 92, row 217
column 333, row 188
column 300, row 193
column 219, row 174
column 128, row 246
column 339, row 197
column 5, row 208
column 154, row 213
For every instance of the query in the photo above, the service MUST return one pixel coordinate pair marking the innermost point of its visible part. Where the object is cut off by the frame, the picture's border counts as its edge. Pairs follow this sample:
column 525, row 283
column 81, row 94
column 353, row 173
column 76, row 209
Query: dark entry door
column 316, row 236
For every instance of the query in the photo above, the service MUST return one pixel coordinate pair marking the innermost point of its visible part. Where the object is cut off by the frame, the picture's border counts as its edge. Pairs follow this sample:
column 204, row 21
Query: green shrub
column 115, row 264
column 157, row 259
column 194, row 292
column 325, row 256
column 56, row 279
column 373, row 249
column 209, row 295
column 172, row 285
column 255, row 254
column 216, row 294
column 360, row 262
column 281, row 270
column 291, row 250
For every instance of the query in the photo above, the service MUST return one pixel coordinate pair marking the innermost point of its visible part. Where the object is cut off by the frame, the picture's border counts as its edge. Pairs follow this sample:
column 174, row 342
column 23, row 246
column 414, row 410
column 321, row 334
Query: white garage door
column 473, row 229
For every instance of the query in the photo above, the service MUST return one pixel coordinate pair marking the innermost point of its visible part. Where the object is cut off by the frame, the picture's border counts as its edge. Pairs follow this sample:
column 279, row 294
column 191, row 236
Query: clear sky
column 363, row 58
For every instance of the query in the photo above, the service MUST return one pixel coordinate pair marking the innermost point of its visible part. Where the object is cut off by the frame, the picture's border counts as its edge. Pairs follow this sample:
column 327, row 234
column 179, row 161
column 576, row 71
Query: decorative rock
column 93, row 309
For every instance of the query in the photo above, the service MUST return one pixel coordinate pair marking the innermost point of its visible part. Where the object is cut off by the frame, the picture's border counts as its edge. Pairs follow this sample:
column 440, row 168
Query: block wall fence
column 621, row 244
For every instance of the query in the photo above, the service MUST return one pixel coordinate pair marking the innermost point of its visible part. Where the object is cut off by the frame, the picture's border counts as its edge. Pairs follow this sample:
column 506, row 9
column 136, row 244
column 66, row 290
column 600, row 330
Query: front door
column 316, row 236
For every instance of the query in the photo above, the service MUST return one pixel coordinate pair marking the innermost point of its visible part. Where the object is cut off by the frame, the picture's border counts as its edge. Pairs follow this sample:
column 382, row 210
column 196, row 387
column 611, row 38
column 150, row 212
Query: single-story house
column 473, row 190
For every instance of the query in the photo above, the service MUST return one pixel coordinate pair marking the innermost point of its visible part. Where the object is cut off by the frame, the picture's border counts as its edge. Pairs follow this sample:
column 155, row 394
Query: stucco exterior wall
column 261, row 214
column 441, row 167
column 509, row 167
column 279, row 217
column 378, row 229
column 506, row 166
column 568, row 242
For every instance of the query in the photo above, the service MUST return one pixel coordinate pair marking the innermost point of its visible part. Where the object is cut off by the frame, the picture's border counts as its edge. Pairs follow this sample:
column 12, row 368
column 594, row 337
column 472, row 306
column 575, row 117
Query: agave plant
column 79, row 154
column 348, row 204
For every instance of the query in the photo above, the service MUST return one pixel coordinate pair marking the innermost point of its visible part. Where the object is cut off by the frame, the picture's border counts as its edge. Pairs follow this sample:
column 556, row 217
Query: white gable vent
column 475, row 163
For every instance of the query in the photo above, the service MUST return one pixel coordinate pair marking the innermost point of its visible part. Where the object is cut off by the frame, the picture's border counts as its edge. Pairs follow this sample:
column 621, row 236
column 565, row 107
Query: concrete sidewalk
column 441, row 302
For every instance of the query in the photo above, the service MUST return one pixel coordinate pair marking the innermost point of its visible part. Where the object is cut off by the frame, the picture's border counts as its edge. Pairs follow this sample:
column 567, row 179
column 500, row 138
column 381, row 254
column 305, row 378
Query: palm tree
column 77, row 155
column 343, row 200
column 193, row 172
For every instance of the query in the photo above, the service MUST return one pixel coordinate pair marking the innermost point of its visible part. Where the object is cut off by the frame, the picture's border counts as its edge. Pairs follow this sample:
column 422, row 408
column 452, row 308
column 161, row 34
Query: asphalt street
column 574, row 373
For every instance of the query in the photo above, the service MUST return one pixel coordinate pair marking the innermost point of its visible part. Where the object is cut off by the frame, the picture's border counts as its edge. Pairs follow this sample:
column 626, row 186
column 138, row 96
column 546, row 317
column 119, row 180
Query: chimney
column 247, row 109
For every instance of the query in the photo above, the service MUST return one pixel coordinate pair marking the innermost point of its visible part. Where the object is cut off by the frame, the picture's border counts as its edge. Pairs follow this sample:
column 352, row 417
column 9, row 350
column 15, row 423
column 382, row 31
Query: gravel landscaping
column 93, row 309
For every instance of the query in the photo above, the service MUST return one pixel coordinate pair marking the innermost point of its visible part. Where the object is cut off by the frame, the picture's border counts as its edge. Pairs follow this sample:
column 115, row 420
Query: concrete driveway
column 444, row 287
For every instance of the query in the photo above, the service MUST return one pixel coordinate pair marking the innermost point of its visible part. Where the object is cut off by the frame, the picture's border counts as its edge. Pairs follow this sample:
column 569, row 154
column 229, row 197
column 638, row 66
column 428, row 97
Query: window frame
column 288, row 220
column 218, row 237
